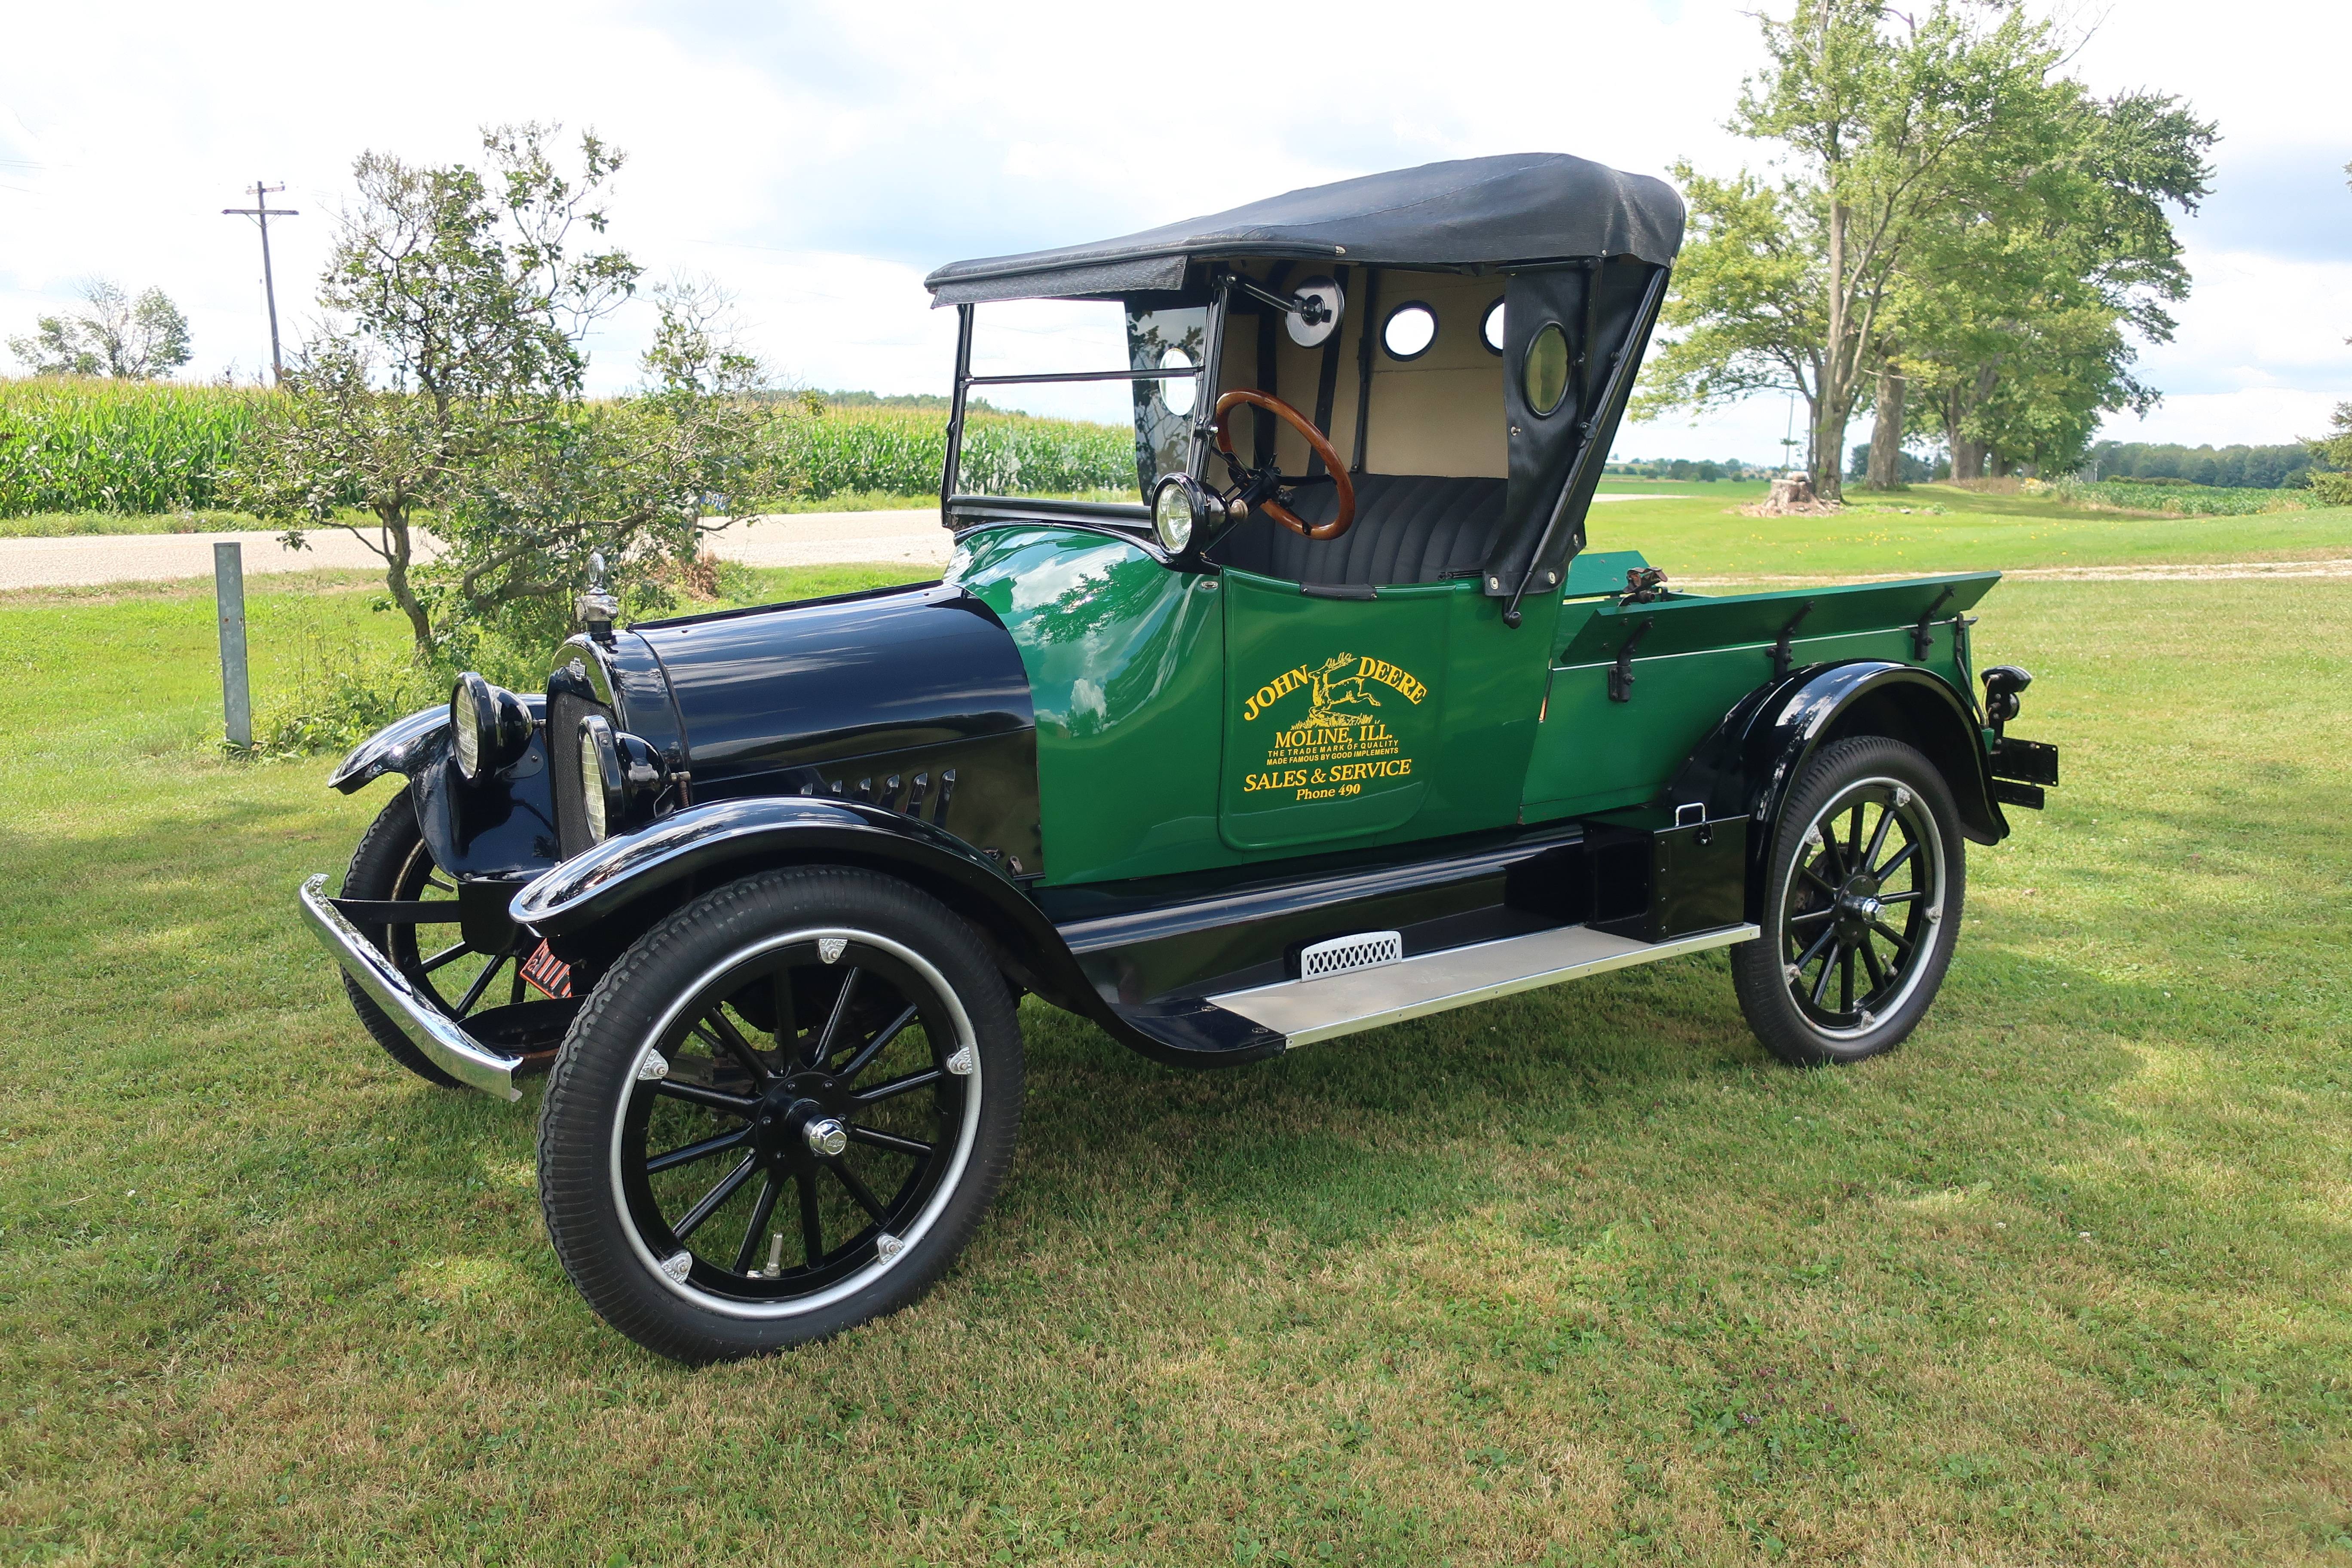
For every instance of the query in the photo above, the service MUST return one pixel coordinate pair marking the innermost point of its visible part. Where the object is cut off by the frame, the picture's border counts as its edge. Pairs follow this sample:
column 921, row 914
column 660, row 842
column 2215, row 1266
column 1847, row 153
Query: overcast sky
column 818, row 159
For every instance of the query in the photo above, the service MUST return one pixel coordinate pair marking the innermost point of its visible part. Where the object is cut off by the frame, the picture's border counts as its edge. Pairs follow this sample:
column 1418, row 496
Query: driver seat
column 1409, row 528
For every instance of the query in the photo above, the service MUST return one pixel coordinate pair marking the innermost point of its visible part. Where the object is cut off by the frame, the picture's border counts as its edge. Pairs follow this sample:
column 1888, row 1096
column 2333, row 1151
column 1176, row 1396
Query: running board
column 1305, row 1011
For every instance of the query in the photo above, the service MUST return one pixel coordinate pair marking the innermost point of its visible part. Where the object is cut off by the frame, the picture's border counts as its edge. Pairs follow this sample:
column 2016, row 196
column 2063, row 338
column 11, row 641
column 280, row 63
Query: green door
column 1335, row 711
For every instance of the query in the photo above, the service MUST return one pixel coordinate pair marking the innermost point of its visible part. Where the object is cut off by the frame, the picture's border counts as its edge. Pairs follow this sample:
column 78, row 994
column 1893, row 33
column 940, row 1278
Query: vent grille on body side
column 1345, row 954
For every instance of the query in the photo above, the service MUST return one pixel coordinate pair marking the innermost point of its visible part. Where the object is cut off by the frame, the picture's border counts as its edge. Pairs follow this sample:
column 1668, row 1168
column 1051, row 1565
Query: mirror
column 1320, row 299
column 1179, row 393
column 1411, row 327
column 1545, row 374
column 1490, row 330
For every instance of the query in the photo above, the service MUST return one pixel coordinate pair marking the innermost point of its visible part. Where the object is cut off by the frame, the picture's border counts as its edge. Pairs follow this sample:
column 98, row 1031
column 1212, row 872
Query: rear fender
column 593, row 905
column 1751, row 760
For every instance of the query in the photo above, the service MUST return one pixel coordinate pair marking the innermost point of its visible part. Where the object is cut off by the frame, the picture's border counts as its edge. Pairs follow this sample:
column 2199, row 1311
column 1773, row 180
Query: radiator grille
column 564, row 712
column 1343, row 954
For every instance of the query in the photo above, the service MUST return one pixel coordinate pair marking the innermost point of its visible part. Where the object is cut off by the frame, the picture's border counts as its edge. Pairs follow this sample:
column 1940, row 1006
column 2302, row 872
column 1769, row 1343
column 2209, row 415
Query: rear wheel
column 781, row 1114
column 1862, row 906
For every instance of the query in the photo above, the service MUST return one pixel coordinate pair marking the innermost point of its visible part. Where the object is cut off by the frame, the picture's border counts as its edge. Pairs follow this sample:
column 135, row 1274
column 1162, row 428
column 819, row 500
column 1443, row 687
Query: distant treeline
column 2227, row 467
column 1707, row 470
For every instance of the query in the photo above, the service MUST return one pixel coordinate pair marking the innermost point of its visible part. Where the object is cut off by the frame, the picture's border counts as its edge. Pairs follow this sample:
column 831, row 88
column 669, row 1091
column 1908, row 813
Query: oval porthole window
column 1179, row 393
column 1411, row 327
column 1490, row 327
column 1545, row 375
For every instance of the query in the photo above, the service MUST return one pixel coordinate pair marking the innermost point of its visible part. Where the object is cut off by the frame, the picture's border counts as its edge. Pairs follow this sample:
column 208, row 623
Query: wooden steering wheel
column 1344, row 517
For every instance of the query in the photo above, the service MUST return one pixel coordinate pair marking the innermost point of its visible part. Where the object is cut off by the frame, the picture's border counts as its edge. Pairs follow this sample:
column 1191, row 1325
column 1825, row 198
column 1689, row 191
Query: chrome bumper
column 440, row 1036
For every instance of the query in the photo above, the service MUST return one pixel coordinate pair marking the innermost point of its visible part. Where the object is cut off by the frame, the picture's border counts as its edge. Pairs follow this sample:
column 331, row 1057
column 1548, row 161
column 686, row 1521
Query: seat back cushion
column 1409, row 528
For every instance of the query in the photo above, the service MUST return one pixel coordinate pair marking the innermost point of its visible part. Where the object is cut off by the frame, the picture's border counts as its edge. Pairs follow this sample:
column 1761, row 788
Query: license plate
column 547, row 973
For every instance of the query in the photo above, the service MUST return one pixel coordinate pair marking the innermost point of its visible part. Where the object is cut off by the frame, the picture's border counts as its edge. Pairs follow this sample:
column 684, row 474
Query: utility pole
column 262, row 211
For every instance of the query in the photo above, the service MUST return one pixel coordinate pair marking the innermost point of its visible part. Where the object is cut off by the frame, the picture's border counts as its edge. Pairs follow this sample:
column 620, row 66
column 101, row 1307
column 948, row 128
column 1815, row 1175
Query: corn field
column 68, row 443
column 900, row 452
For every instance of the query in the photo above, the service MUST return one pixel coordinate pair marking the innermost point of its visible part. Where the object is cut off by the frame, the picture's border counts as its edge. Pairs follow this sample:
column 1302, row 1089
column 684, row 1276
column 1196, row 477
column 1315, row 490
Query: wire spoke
column 437, row 883
column 732, row 1039
column 447, row 955
column 1853, row 836
column 895, row 1086
column 824, row 1047
column 1809, row 918
column 1845, row 980
column 788, row 1027
column 1822, row 984
column 1816, row 878
column 1870, row 963
column 761, row 1213
column 1893, row 864
column 858, row 1190
column 864, row 1058
column 689, row 1154
column 703, row 1094
column 1902, row 943
column 481, row 983
column 1878, row 836
column 1820, row 943
column 715, row 1196
column 812, row 1221
column 1900, row 898
column 914, row 1146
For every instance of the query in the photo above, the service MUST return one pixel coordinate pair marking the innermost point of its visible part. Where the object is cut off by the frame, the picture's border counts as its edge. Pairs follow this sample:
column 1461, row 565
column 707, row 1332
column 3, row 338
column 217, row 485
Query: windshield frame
column 1201, row 418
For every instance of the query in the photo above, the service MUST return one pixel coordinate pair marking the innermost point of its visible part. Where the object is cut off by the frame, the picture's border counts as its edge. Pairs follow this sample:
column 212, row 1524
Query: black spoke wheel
column 391, row 863
column 781, row 1114
column 1862, row 906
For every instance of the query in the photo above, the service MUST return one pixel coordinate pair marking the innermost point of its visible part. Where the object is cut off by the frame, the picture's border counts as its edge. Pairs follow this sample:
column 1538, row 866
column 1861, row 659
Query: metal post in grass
column 229, row 597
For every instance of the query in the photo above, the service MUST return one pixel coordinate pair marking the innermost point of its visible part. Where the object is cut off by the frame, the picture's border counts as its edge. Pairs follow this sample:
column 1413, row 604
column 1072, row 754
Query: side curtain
column 1602, row 307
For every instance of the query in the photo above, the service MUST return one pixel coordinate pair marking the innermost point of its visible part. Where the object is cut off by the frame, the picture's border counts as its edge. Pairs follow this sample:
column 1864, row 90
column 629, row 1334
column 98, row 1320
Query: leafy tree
column 1887, row 123
column 113, row 335
column 2335, row 449
column 2017, row 318
column 450, row 385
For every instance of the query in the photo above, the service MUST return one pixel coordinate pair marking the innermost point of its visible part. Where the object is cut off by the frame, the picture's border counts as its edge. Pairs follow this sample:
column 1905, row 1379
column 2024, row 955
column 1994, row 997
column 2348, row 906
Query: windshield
column 1078, row 399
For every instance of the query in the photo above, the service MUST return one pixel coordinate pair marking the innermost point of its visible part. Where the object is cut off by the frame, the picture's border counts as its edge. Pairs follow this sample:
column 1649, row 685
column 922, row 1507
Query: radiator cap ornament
column 597, row 607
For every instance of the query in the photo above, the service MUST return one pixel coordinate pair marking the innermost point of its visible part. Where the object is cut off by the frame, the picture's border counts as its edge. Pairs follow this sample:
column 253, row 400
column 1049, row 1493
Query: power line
column 263, row 212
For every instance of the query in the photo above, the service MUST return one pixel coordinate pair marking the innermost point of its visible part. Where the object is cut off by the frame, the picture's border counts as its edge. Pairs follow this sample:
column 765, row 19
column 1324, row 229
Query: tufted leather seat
column 1409, row 528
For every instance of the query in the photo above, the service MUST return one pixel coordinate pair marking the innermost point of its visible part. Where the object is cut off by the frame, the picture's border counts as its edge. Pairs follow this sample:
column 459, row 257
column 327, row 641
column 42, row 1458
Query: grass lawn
column 1702, row 534
column 1580, row 1276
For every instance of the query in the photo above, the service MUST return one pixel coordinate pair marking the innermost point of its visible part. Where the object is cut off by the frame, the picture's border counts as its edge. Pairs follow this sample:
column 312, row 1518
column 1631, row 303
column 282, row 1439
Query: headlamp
column 1180, row 506
column 490, row 728
column 619, row 773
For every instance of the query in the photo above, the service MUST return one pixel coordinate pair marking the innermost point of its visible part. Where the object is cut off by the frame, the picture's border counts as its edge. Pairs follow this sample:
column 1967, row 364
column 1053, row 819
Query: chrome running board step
column 1305, row 1011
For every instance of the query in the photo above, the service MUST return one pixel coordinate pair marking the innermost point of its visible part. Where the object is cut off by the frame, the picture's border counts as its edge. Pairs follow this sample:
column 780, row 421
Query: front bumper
column 441, row 1037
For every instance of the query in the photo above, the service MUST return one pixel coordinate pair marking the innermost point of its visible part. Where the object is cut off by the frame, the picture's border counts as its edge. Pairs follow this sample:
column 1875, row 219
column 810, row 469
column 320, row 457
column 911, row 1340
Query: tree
column 452, row 369
column 2335, row 449
column 114, row 335
column 2017, row 318
column 1885, row 122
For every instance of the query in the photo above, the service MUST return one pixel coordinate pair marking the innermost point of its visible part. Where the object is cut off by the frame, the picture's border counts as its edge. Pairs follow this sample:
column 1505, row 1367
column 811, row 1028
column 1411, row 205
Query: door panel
column 1335, row 711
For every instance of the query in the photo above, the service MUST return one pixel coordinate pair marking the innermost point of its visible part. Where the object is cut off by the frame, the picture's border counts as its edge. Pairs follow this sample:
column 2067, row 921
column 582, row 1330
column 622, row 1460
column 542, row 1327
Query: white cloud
column 818, row 158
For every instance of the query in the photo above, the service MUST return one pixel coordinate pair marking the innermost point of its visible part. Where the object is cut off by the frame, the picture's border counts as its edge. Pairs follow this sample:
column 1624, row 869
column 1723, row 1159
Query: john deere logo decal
column 1340, row 742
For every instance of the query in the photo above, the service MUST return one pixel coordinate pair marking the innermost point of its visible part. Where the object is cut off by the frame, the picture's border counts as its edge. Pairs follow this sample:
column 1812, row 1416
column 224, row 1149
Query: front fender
column 1749, row 762
column 706, row 845
column 394, row 749
column 502, row 827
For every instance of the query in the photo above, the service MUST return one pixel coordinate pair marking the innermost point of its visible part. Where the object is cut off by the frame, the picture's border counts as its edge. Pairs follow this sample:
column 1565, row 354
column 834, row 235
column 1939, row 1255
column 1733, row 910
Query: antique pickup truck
column 1332, row 722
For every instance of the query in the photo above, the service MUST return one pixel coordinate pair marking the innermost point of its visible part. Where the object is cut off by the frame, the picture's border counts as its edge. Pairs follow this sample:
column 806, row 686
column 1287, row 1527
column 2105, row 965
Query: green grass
column 1580, row 1277
column 1704, row 536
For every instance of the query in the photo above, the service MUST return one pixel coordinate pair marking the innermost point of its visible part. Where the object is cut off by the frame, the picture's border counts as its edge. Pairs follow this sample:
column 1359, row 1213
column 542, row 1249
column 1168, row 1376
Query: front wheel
column 783, row 1113
column 1862, row 906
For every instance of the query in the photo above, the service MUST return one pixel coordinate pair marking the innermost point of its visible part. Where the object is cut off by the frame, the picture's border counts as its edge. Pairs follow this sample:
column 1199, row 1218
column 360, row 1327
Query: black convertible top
column 1519, row 207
